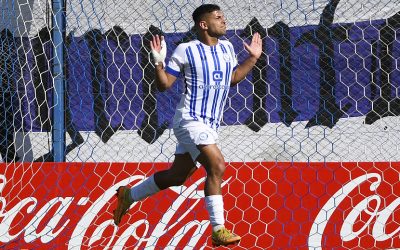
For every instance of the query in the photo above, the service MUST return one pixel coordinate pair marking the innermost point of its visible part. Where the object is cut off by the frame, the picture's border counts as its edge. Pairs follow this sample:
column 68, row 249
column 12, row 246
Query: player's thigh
column 183, row 166
column 211, row 158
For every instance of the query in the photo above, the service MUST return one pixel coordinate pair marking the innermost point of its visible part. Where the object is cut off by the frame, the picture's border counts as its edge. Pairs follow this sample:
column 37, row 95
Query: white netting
column 326, row 88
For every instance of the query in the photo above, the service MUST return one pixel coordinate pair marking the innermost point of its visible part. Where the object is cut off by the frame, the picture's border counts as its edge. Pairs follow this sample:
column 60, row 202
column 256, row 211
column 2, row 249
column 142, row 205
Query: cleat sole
column 228, row 244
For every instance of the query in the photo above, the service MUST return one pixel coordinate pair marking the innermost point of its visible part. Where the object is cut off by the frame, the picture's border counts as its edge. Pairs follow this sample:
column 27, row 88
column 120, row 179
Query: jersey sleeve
column 177, row 61
column 235, row 63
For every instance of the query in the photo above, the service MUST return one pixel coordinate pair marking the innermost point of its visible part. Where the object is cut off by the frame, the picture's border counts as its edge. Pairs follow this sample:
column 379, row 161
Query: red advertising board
column 271, row 205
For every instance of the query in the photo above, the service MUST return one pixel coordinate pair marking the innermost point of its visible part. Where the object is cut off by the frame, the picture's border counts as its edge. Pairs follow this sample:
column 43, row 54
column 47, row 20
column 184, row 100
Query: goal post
column 58, row 65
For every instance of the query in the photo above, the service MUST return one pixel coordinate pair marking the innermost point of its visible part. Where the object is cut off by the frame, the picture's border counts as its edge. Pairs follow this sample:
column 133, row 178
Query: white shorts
column 193, row 133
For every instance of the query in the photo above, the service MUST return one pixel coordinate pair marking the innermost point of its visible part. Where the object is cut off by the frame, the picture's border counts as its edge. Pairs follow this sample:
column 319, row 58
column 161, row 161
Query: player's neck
column 208, row 40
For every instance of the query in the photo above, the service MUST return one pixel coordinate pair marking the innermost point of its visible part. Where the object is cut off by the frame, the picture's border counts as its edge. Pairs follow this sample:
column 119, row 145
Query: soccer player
column 209, row 67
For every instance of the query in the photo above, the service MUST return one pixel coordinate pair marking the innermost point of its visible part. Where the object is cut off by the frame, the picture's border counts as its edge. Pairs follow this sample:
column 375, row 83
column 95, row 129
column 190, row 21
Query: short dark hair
column 203, row 9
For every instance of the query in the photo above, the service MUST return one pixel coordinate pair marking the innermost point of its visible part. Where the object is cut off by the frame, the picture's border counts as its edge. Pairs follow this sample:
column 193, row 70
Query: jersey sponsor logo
column 217, row 75
column 213, row 87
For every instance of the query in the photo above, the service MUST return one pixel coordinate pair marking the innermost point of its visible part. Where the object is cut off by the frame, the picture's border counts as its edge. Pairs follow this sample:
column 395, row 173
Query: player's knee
column 179, row 180
column 218, row 170
column 176, row 180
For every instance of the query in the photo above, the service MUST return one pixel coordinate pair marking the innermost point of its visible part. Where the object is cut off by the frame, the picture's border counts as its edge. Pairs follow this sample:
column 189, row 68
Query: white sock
column 145, row 189
column 215, row 208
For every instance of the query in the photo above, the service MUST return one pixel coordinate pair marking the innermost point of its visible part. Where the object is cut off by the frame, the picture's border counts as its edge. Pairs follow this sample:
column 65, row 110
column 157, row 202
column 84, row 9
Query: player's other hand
column 158, row 49
column 255, row 47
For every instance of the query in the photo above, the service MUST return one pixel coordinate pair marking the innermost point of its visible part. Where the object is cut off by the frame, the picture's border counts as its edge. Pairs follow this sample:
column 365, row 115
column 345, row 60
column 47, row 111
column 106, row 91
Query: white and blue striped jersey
column 207, row 74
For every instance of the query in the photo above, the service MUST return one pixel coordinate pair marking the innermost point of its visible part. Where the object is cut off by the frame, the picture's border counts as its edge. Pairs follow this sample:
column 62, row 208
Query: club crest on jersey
column 227, row 57
column 217, row 75
column 203, row 136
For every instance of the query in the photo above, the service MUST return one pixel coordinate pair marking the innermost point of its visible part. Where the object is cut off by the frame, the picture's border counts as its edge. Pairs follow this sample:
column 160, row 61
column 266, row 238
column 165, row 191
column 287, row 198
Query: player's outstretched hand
column 255, row 47
column 158, row 49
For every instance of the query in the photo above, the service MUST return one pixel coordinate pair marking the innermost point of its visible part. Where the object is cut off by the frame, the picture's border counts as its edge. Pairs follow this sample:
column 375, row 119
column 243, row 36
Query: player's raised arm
column 159, row 51
column 255, row 50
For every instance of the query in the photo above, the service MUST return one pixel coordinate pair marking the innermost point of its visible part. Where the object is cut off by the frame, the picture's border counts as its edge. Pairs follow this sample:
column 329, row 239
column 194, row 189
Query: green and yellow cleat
column 124, row 202
column 224, row 237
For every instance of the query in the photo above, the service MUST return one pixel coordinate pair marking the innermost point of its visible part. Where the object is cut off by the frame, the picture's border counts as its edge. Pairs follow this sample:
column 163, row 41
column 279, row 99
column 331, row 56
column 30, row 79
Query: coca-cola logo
column 371, row 205
column 89, row 230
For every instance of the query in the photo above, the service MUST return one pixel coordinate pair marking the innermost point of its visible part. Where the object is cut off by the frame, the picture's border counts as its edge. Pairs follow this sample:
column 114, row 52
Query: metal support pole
column 58, row 27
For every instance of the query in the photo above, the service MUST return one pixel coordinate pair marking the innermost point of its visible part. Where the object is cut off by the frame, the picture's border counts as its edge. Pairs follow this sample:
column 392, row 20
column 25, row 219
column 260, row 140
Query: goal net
column 310, row 136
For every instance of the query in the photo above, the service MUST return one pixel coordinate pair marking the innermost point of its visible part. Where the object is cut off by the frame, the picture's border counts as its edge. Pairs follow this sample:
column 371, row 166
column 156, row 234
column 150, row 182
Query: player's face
column 216, row 23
